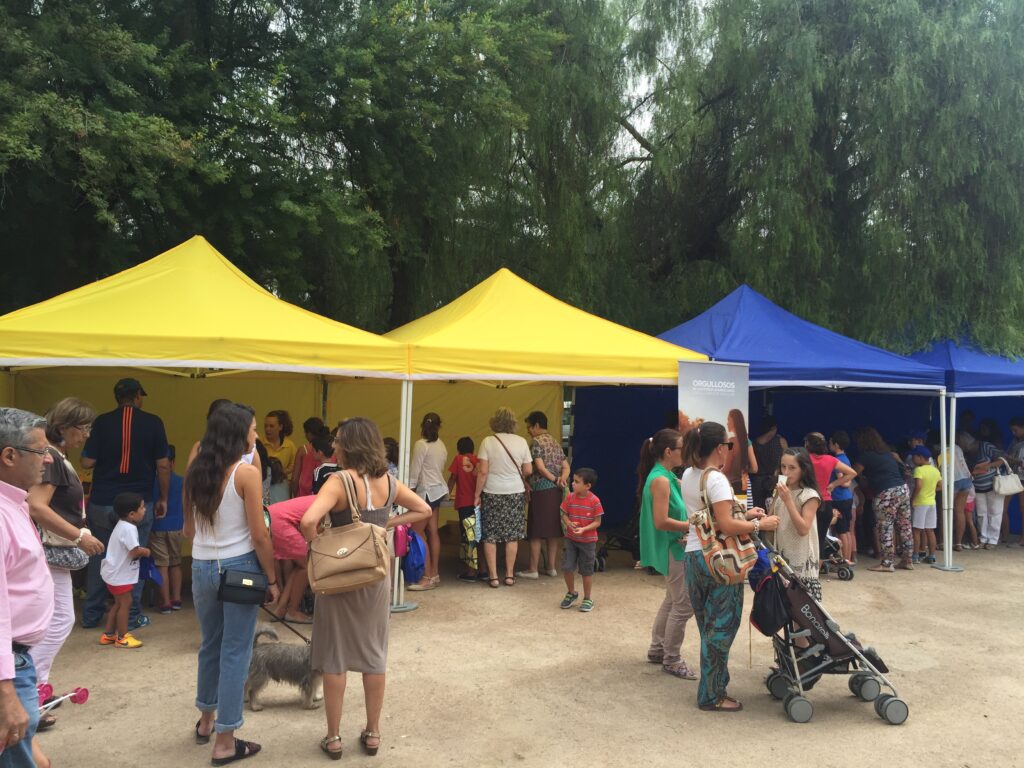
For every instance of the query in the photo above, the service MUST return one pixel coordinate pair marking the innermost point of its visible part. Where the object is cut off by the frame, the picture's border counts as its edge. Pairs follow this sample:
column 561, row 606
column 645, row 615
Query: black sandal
column 494, row 583
column 510, row 581
column 45, row 722
column 243, row 749
column 717, row 706
column 201, row 738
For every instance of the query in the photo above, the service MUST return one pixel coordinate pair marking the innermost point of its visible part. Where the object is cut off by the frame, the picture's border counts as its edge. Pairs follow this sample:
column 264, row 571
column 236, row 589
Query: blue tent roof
column 971, row 371
column 785, row 350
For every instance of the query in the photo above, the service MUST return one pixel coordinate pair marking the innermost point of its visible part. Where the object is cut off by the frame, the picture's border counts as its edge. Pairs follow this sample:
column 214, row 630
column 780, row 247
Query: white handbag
column 1008, row 484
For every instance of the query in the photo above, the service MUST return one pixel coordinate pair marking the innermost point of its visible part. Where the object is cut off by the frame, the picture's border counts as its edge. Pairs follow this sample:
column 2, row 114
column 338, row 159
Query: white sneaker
column 527, row 574
column 551, row 572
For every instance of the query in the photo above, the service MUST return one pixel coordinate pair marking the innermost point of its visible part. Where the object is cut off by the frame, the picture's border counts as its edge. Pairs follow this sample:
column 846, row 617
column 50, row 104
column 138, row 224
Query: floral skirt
column 503, row 517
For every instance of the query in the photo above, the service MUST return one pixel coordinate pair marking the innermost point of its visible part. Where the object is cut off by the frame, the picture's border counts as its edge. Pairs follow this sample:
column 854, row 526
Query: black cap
column 127, row 388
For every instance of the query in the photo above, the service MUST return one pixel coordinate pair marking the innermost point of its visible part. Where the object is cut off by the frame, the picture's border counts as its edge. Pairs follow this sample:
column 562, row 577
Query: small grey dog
column 282, row 663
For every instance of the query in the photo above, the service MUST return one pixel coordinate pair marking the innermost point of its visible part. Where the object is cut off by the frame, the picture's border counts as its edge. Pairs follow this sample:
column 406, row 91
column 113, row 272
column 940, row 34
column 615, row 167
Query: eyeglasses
column 728, row 445
column 26, row 449
column 677, row 448
column 85, row 429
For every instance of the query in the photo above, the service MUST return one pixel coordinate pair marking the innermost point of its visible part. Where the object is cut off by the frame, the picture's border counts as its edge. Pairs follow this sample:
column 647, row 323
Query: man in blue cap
column 126, row 450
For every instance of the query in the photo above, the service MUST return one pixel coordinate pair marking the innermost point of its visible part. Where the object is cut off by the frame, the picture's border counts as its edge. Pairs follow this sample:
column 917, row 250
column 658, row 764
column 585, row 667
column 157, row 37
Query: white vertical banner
column 717, row 392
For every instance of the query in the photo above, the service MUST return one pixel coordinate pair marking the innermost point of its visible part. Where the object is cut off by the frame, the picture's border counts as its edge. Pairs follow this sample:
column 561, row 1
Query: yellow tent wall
column 6, row 389
column 464, row 406
column 180, row 401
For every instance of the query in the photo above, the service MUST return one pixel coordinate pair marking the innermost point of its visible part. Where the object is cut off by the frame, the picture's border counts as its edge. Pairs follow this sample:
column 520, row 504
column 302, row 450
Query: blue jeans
column 20, row 755
column 101, row 522
column 227, row 630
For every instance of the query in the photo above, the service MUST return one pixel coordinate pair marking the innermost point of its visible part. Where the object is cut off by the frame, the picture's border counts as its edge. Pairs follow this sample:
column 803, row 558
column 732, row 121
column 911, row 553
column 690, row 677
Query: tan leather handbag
column 348, row 557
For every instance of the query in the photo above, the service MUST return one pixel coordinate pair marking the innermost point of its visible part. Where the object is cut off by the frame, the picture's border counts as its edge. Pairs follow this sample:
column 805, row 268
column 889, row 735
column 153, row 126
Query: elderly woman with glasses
column 57, row 506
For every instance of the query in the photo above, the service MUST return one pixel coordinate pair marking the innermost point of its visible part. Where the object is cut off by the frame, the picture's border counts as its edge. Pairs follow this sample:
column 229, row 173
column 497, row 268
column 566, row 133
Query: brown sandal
column 510, row 581
column 717, row 706
column 366, row 736
column 325, row 742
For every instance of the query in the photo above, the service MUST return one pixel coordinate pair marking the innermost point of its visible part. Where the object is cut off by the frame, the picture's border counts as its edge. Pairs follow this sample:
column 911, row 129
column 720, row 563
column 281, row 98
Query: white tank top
column 230, row 535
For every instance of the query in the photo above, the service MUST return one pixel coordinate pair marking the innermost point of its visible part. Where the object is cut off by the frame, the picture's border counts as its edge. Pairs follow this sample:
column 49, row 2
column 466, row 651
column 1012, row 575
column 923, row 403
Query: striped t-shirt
column 582, row 511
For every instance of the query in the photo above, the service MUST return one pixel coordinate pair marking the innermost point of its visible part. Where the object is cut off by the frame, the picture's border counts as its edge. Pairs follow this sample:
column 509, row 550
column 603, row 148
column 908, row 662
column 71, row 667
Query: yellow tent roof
column 505, row 328
column 190, row 308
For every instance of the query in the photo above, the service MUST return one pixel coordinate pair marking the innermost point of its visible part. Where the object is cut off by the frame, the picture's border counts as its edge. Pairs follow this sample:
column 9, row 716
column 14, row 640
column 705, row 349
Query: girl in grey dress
column 350, row 630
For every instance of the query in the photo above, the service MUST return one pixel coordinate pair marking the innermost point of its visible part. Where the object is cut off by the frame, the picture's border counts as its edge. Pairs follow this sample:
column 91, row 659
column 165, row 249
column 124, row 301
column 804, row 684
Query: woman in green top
column 663, row 530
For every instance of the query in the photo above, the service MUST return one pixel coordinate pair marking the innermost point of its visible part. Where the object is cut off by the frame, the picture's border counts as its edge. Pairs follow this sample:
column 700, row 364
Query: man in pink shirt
column 26, row 588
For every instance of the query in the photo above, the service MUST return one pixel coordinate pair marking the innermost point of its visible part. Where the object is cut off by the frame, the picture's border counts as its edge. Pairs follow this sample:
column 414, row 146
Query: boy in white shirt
column 120, row 568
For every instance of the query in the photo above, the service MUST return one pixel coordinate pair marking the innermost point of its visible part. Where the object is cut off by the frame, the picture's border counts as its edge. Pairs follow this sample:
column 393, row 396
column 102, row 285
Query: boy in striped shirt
column 581, row 515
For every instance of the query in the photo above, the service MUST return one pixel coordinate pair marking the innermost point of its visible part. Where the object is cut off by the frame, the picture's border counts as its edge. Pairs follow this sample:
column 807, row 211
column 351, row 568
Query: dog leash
column 305, row 639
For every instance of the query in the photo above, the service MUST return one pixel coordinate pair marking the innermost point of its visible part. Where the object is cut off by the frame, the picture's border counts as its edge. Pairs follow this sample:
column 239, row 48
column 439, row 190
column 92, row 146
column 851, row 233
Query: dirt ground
column 493, row 677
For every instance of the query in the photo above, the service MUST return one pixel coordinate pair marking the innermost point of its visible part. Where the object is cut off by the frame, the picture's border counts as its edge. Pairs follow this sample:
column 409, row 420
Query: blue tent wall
column 611, row 422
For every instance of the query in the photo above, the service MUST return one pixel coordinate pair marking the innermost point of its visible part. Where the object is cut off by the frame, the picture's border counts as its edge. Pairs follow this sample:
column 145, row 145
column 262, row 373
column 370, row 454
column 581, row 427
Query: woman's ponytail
column 700, row 441
column 651, row 451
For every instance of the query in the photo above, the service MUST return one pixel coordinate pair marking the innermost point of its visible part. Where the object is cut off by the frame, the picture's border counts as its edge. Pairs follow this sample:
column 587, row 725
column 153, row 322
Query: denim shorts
column 962, row 485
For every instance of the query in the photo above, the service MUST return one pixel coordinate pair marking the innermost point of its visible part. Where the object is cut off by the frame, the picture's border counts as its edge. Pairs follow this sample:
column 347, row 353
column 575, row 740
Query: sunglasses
column 728, row 445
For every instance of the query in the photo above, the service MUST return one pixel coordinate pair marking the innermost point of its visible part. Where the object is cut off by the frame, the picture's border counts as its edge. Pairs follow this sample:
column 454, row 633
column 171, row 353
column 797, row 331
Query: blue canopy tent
column 784, row 350
column 971, row 372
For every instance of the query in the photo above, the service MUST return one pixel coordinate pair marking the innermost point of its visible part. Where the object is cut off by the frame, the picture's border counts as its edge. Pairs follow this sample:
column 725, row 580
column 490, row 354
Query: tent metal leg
column 949, row 439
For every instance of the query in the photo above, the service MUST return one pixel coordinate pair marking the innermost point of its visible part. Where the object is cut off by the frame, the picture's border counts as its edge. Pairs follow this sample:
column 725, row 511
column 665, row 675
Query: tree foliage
column 858, row 161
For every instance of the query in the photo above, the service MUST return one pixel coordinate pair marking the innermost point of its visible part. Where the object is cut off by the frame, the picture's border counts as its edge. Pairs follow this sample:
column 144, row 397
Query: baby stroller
column 780, row 602
column 833, row 561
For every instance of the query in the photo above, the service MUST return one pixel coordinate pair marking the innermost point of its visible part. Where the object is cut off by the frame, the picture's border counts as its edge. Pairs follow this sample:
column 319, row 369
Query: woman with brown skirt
column 547, row 486
column 350, row 630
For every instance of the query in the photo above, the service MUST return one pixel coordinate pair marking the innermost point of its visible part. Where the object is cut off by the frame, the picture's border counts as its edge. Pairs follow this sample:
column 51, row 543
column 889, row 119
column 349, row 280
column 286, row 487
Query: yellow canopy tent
column 506, row 330
column 187, row 318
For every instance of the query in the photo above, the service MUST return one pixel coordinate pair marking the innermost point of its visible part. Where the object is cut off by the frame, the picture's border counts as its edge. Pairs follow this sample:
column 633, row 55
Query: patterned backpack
column 728, row 558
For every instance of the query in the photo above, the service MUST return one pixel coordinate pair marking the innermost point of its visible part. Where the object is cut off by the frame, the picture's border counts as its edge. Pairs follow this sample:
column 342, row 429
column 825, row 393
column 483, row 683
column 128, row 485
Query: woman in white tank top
column 224, row 519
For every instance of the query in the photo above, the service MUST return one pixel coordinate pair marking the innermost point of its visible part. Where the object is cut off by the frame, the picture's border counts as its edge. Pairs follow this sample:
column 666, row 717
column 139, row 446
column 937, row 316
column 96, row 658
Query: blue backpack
column 415, row 559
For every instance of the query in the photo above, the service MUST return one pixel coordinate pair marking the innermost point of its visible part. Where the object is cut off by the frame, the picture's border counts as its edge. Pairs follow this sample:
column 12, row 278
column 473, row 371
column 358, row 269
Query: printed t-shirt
column 841, row 493
column 929, row 477
column 126, row 445
column 174, row 520
column 718, row 489
column 463, row 468
column 582, row 511
column 68, row 499
column 545, row 448
column 504, row 474
column 321, row 473
column 117, row 568
column 823, row 464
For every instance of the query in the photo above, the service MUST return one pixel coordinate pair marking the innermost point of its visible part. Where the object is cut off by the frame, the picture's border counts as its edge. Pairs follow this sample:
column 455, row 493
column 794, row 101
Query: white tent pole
column 949, row 439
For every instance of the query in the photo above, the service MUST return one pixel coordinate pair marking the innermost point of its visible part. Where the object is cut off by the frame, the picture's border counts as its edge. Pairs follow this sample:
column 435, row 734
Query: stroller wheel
column 895, row 711
column 869, row 689
column 845, row 573
column 778, row 686
column 799, row 709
